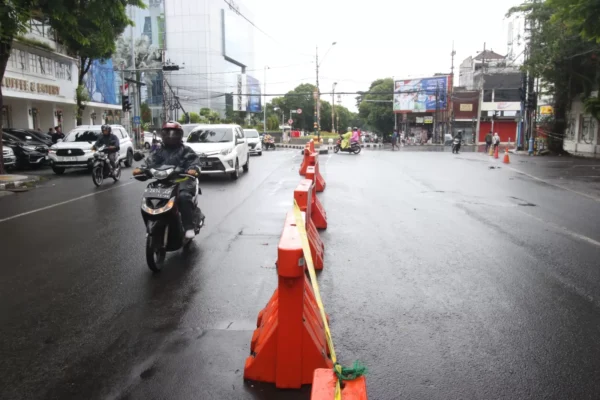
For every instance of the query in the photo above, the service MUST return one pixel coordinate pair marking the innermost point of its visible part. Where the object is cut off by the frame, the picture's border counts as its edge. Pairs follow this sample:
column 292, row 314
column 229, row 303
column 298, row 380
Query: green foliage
column 272, row 123
column 379, row 115
column 146, row 113
column 580, row 17
column 195, row 118
column 34, row 43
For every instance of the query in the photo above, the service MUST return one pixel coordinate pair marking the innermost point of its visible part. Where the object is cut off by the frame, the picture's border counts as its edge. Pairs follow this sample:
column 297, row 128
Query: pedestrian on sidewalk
column 488, row 141
column 57, row 134
column 496, row 140
column 395, row 140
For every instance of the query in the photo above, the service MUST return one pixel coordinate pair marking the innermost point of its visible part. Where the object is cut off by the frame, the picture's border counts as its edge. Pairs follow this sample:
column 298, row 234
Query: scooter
column 101, row 167
column 269, row 144
column 456, row 145
column 160, row 211
column 354, row 147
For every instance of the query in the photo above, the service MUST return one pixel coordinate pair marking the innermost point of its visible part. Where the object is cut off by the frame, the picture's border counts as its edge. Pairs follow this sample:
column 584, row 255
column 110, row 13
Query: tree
column 211, row 116
column 272, row 123
column 89, row 29
column 195, row 118
column 378, row 115
column 578, row 16
column 14, row 15
column 146, row 113
column 564, row 55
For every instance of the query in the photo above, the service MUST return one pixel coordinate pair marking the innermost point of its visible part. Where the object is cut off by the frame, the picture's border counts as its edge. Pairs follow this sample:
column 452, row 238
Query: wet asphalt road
column 449, row 279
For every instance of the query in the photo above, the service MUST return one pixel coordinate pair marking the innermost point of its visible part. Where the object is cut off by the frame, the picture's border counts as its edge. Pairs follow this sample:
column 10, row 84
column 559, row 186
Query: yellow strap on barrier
column 300, row 224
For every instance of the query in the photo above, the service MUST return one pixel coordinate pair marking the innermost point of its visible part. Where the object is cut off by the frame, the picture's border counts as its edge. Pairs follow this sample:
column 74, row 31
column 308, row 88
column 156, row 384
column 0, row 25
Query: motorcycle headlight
column 161, row 174
column 160, row 210
column 225, row 152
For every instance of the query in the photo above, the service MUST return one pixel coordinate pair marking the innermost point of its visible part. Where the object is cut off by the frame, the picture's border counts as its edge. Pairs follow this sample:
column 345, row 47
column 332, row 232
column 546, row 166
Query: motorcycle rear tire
column 98, row 175
column 336, row 148
column 154, row 257
column 356, row 150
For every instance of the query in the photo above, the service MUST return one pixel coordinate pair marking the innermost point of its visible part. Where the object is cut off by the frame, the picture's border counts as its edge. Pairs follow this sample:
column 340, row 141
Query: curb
column 21, row 184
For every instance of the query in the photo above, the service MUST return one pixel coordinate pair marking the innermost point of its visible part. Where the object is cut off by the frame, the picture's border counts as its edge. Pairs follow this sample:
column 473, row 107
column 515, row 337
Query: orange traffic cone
column 506, row 158
column 496, row 152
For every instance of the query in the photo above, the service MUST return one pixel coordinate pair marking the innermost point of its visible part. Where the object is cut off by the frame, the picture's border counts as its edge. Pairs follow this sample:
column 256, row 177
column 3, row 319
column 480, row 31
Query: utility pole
column 482, row 84
column 317, row 97
column 436, row 115
column 135, row 109
column 333, row 108
column 265, row 100
column 450, row 97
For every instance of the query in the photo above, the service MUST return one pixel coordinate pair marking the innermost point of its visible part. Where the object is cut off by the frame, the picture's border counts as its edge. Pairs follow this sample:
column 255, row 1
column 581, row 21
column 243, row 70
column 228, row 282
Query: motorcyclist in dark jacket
column 174, row 152
column 112, row 143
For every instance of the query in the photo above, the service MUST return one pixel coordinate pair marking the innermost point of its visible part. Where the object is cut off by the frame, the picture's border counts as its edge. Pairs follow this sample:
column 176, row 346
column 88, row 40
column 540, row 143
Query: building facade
column 581, row 136
column 40, row 82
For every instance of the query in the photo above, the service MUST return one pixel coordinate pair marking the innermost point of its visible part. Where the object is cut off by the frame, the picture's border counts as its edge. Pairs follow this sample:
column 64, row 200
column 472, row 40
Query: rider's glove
column 137, row 171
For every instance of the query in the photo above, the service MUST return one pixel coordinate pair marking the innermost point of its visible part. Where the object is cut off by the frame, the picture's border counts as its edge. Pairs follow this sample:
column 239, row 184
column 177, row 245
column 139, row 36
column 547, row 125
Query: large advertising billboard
column 419, row 95
column 254, row 95
column 238, row 35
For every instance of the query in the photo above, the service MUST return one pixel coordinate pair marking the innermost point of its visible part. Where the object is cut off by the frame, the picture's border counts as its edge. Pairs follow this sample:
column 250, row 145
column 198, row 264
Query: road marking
column 569, row 232
column 63, row 202
column 589, row 196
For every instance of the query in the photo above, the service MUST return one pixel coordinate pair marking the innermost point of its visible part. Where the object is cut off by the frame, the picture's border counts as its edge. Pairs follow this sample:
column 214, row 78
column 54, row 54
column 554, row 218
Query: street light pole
column 317, row 123
column 333, row 107
column 265, row 101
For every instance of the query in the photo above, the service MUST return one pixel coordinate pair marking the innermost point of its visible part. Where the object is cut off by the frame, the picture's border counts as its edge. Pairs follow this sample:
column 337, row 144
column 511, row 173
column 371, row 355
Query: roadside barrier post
column 303, row 196
column 317, row 212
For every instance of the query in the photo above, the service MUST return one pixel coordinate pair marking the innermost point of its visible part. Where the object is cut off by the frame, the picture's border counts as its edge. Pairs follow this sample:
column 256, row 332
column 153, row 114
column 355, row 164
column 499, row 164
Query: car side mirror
column 138, row 156
column 239, row 141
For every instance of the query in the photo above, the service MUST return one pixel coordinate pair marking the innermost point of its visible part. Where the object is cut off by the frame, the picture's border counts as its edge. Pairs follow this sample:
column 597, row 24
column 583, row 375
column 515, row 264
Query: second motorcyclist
column 174, row 152
column 112, row 145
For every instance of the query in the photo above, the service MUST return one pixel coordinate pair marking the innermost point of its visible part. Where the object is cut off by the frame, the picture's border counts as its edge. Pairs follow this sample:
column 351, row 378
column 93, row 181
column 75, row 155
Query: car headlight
column 155, row 211
column 224, row 152
column 51, row 151
column 9, row 151
column 89, row 151
column 161, row 174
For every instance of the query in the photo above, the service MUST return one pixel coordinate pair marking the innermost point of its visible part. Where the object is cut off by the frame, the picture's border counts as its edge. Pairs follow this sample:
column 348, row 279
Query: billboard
column 240, row 102
column 238, row 35
column 254, row 95
column 419, row 95
column 102, row 82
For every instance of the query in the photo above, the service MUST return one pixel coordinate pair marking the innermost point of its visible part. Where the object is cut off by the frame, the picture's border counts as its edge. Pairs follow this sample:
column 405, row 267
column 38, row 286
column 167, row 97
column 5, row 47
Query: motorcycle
column 269, row 143
column 160, row 211
column 101, row 168
column 456, row 145
column 354, row 147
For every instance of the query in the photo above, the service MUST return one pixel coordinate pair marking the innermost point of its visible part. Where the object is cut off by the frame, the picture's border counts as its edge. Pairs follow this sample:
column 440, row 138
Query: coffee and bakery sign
column 23, row 85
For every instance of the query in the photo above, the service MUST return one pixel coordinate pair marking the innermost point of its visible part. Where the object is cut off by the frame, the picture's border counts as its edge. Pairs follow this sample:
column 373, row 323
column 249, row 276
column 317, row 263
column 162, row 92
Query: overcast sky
column 375, row 39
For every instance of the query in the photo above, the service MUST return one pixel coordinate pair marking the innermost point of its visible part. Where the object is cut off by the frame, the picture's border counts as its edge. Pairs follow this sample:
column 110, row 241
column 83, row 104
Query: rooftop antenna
column 452, row 55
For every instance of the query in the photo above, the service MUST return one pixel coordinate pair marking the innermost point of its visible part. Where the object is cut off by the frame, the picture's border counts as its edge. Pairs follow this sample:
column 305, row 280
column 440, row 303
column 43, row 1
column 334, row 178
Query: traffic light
column 532, row 101
column 126, row 105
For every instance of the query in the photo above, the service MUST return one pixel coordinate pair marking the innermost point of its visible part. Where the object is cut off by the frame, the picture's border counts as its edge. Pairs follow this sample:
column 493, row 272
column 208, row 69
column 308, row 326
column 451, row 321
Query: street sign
column 299, row 111
column 137, row 119
column 290, row 121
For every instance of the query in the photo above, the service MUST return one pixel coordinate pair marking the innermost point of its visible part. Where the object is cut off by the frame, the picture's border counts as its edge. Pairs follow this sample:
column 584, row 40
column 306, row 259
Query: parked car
column 23, row 133
column 75, row 150
column 9, row 160
column 148, row 137
column 222, row 149
column 25, row 154
column 31, row 142
column 254, row 141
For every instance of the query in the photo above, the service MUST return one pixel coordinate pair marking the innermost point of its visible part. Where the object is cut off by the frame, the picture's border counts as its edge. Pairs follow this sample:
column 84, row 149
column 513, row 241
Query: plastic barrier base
column 323, row 387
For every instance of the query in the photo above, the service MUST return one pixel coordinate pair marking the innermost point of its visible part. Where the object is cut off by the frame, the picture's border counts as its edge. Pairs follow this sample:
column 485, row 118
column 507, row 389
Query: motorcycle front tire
column 97, row 175
column 117, row 174
column 154, row 257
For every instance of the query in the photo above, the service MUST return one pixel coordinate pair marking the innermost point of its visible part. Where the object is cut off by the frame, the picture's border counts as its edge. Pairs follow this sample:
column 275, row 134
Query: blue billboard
column 254, row 95
column 419, row 95
column 101, row 82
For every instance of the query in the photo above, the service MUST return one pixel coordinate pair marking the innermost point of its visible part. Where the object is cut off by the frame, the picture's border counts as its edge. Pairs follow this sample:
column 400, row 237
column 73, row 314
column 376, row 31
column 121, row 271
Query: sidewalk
column 12, row 182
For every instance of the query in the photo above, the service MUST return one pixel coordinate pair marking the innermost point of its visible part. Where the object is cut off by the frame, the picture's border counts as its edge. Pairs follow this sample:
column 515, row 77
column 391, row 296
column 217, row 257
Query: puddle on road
column 523, row 203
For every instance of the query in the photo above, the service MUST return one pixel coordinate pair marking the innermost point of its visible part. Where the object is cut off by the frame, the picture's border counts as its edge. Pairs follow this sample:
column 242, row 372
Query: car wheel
column 58, row 170
column 260, row 153
column 129, row 159
column 236, row 173
column 247, row 165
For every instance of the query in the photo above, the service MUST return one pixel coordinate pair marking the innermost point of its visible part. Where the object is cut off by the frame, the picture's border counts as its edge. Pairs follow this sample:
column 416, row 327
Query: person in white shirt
column 496, row 140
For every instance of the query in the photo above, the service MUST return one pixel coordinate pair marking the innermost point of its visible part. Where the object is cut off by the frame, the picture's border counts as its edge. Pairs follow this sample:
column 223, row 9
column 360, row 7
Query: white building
column 214, row 44
column 39, row 85
column 581, row 136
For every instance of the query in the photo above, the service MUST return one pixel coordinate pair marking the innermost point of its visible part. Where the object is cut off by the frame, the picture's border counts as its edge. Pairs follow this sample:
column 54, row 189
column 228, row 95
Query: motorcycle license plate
column 158, row 193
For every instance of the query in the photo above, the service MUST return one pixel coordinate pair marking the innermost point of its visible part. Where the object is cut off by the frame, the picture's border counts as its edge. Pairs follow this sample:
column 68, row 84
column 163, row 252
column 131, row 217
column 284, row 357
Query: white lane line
column 63, row 202
column 589, row 196
column 568, row 232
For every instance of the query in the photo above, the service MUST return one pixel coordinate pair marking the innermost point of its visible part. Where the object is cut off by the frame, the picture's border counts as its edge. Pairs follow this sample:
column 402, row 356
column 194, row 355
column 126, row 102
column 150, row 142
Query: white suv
column 254, row 142
column 75, row 150
column 222, row 148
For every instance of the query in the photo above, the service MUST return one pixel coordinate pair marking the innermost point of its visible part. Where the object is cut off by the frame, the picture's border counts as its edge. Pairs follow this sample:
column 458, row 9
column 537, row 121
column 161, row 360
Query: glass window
column 33, row 63
column 507, row 95
column 22, row 60
column 251, row 133
column 49, row 65
column 82, row 136
column 487, row 95
column 211, row 135
column 42, row 62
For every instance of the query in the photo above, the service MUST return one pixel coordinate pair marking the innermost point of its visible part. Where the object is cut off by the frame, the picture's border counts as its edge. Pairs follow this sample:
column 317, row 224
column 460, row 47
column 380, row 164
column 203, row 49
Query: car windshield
column 23, row 135
column 251, row 133
column 211, row 135
column 82, row 136
column 187, row 129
